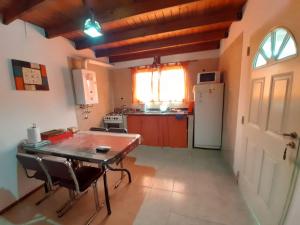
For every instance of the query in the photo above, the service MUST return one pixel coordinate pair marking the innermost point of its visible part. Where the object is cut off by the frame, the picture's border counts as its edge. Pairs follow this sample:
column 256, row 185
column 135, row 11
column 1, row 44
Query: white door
column 274, row 110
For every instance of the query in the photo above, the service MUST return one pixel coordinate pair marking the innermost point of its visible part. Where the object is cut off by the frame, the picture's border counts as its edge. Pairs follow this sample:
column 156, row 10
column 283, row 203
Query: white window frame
column 274, row 59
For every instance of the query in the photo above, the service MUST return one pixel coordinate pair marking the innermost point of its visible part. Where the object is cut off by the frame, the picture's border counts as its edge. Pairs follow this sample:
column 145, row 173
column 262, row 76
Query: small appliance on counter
column 209, row 77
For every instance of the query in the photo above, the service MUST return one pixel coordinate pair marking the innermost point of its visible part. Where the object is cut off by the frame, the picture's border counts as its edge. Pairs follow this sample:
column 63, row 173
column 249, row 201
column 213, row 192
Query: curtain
column 167, row 84
column 144, row 85
column 172, row 84
column 187, row 81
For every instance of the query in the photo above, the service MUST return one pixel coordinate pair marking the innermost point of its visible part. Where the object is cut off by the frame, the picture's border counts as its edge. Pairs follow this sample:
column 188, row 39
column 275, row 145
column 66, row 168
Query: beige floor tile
column 176, row 219
column 169, row 187
column 155, row 209
column 158, row 200
column 163, row 183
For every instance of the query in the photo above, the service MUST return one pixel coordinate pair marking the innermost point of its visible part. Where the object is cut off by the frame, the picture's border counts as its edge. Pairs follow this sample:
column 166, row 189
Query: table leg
column 117, row 184
column 122, row 167
column 106, row 191
column 121, row 170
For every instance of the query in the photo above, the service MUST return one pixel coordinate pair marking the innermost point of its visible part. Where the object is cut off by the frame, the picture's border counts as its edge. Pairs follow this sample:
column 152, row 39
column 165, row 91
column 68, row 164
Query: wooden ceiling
column 132, row 29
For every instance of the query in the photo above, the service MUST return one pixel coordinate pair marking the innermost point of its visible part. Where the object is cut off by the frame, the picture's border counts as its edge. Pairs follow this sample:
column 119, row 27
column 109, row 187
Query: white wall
column 257, row 14
column 19, row 109
column 230, row 67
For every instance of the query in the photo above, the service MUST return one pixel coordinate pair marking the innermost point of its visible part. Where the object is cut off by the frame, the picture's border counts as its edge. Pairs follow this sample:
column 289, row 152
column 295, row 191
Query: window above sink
column 164, row 85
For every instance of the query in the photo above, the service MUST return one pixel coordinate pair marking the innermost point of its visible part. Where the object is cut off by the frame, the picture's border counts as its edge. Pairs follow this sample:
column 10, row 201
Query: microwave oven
column 209, row 77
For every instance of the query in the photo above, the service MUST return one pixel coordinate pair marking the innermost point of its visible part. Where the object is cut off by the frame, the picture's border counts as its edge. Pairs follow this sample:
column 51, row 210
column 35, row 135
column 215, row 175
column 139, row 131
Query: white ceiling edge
column 210, row 54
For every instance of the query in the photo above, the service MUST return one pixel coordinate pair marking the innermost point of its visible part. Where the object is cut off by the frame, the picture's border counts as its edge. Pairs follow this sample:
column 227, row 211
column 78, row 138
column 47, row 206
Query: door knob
column 291, row 145
column 293, row 135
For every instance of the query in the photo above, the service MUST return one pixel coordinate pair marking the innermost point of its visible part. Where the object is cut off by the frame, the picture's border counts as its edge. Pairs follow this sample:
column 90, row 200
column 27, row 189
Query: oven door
column 113, row 125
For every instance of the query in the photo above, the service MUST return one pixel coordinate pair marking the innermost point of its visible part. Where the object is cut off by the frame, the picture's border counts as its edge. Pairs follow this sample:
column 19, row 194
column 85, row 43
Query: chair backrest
column 30, row 162
column 61, row 170
column 103, row 129
column 117, row 130
column 33, row 162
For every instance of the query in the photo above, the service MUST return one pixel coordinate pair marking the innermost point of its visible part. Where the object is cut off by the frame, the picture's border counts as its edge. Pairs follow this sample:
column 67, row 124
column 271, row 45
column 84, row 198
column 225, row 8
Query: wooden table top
column 83, row 146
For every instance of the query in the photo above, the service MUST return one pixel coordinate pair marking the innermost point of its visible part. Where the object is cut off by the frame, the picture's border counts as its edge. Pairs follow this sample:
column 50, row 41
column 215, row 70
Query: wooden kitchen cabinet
column 150, row 130
column 134, row 124
column 178, row 131
column 159, row 130
column 164, row 131
column 147, row 126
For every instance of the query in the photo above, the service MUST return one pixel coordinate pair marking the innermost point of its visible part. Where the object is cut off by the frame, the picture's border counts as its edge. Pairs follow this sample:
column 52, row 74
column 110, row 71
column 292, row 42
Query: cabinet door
column 150, row 130
column 163, row 131
column 177, row 129
column 134, row 124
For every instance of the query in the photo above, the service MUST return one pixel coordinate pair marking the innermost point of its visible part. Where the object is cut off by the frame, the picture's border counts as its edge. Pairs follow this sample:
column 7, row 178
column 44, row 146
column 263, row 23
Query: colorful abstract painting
column 30, row 76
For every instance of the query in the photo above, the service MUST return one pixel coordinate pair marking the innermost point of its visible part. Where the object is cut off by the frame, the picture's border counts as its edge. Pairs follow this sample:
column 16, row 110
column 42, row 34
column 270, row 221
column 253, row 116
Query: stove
column 113, row 120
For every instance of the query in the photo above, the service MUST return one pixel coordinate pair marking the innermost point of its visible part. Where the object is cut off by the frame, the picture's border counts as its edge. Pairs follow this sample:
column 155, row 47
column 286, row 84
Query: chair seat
column 85, row 175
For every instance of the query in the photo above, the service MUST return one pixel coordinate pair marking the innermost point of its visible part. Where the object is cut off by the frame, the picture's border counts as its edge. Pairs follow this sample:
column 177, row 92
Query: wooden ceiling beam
column 166, row 51
column 17, row 8
column 228, row 15
column 169, row 42
column 120, row 12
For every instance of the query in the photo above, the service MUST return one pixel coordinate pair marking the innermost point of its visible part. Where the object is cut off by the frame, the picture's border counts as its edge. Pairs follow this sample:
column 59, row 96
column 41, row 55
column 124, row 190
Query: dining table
column 82, row 147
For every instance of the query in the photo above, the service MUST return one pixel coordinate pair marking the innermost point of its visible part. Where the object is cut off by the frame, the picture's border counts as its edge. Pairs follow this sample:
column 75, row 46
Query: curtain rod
column 168, row 63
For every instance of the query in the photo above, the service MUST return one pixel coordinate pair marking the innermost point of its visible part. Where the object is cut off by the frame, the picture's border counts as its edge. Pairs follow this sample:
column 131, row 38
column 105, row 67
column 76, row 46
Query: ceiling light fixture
column 92, row 27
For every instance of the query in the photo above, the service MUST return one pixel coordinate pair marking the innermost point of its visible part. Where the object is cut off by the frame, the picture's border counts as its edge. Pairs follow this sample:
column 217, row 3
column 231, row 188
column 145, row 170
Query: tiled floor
column 170, row 187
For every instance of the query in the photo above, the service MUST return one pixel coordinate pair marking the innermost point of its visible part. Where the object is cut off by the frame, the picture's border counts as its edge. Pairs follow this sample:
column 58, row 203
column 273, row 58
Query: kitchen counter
column 163, row 129
column 154, row 113
column 172, row 129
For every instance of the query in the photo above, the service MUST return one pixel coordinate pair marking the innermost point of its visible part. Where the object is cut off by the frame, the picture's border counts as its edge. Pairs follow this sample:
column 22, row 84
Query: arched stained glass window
column 277, row 45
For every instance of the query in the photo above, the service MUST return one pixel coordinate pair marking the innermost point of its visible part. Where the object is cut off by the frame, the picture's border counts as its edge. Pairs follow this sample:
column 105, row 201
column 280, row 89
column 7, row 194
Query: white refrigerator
column 208, row 115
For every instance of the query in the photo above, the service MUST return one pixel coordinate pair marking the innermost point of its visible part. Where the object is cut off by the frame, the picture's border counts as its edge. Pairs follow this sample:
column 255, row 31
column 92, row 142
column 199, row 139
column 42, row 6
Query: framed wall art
column 30, row 76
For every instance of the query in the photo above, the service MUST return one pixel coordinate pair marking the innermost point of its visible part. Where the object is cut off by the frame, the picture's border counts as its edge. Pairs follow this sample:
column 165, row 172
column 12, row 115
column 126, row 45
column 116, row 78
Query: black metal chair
column 102, row 129
column 33, row 164
column 77, row 181
column 117, row 130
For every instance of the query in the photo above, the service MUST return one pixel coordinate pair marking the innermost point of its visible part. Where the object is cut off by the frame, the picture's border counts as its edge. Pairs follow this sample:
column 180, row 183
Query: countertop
column 155, row 113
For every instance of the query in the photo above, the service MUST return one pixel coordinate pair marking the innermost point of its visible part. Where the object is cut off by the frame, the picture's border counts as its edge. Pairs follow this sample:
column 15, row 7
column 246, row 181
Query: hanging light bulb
column 91, row 27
